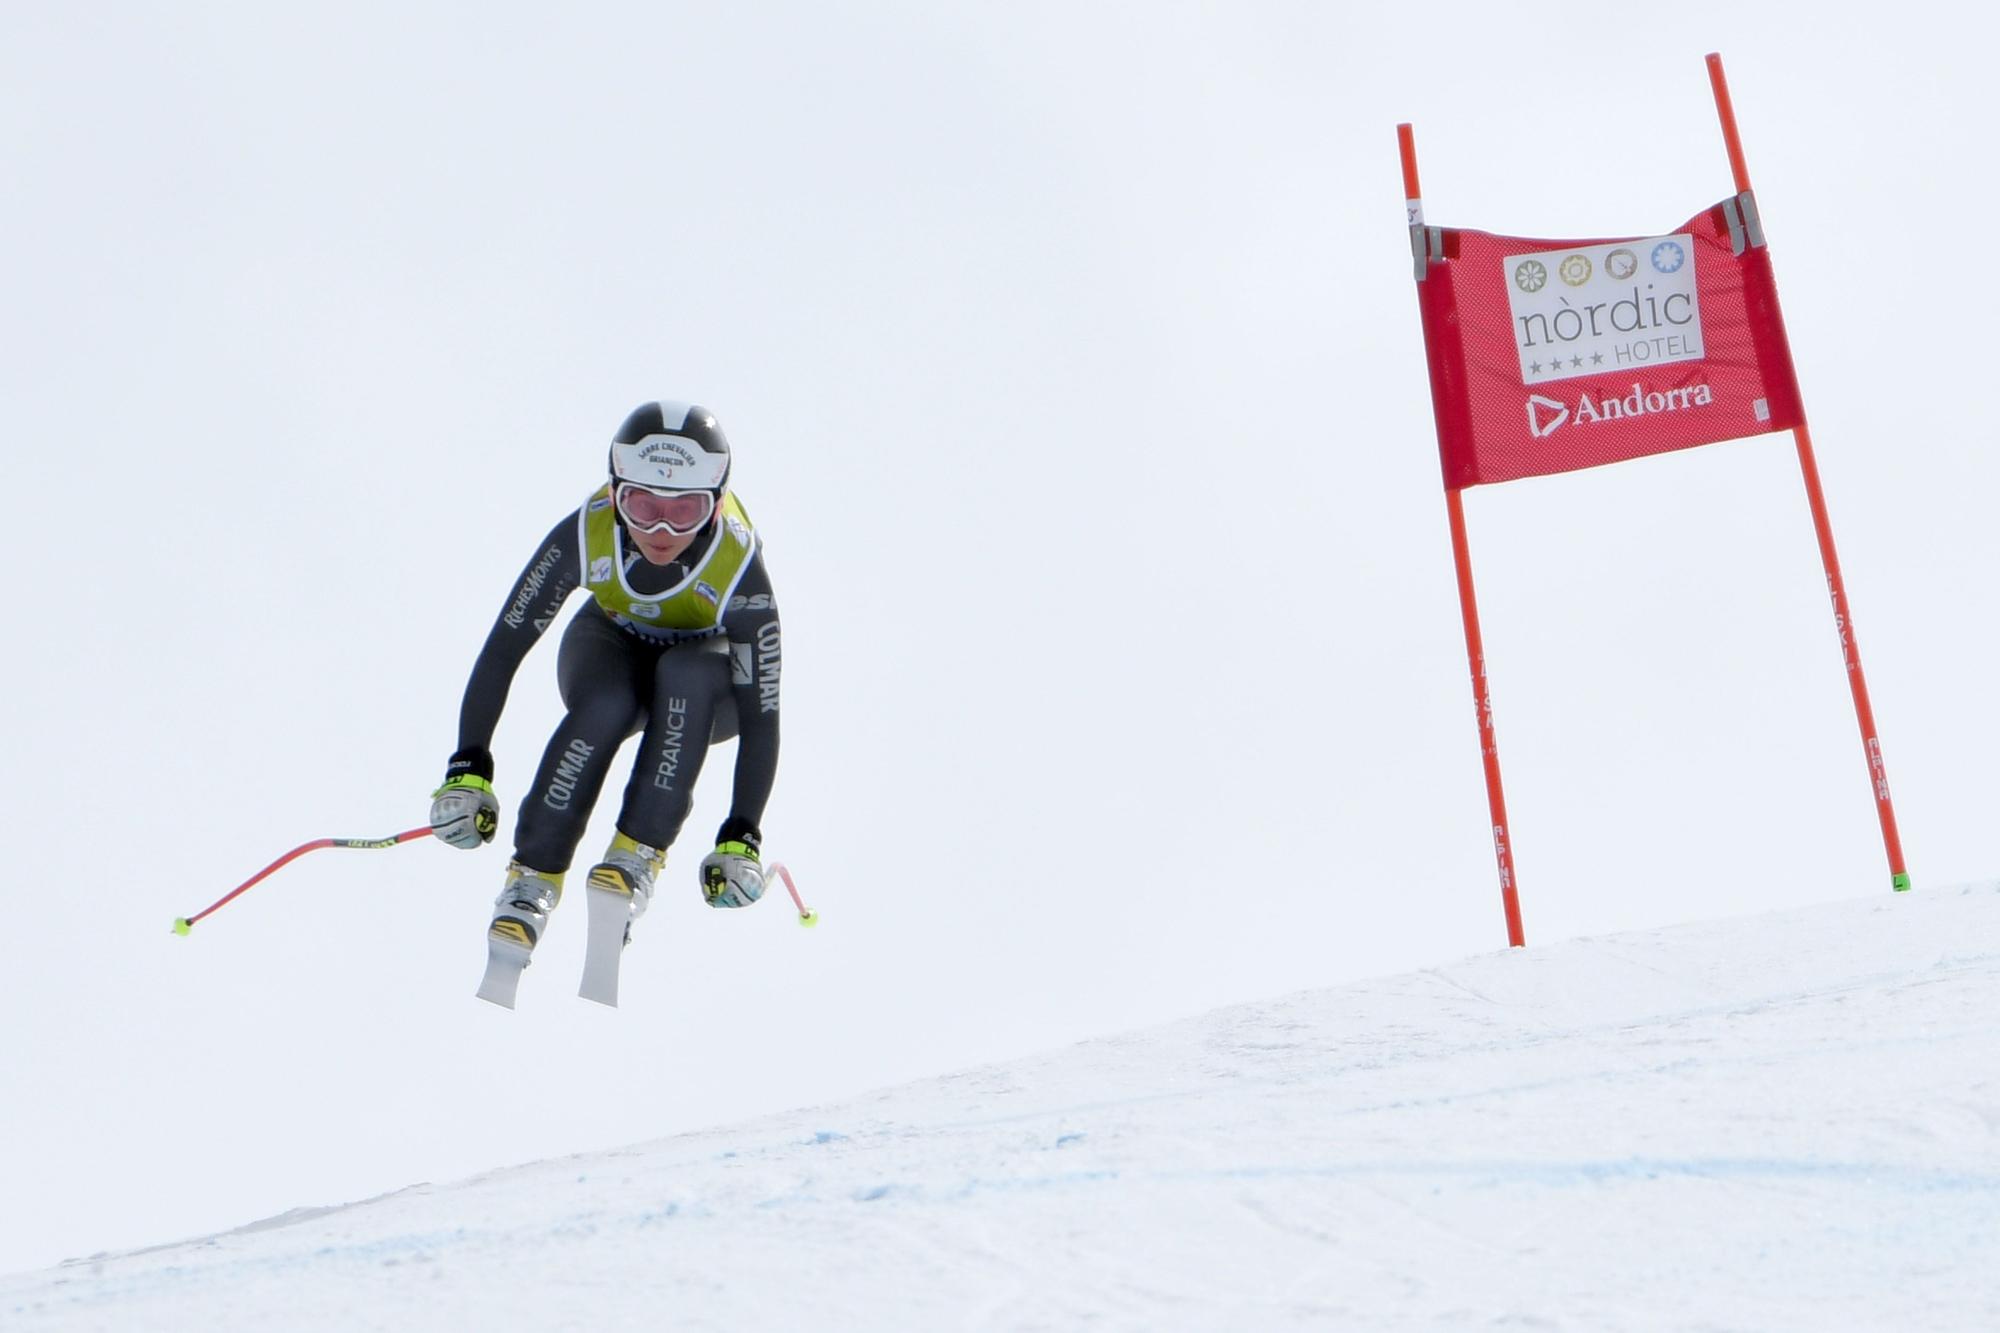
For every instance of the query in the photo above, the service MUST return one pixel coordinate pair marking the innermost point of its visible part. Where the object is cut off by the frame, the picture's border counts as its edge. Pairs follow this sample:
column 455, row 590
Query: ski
column 610, row 914
column 507, row 953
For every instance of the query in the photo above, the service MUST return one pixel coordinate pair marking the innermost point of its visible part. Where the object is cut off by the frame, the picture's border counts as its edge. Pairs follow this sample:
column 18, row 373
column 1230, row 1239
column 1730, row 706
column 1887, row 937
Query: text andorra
column 1628, row 314
column 1639, row 402
column 1548, row 415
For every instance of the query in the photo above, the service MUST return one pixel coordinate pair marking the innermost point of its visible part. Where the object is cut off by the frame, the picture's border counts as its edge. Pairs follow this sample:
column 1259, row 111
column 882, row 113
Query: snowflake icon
column 1668, row 257
column 1531, row 276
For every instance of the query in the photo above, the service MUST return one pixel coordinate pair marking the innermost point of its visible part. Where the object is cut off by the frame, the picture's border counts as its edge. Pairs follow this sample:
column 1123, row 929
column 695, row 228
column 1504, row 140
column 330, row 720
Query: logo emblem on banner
column 1609, row 315
column 1544, row 415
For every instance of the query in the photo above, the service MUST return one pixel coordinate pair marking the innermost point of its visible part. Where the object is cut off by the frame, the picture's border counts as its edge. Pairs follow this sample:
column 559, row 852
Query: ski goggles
column 682, row 513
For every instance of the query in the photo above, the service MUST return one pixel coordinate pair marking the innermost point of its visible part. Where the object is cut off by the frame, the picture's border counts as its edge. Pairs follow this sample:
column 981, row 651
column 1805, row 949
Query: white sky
column 1073, row 366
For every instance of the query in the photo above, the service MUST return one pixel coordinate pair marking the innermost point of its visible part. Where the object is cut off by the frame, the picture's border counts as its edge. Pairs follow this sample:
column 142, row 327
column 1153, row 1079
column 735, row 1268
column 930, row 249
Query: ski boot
column 520, row 914
column 621, row 887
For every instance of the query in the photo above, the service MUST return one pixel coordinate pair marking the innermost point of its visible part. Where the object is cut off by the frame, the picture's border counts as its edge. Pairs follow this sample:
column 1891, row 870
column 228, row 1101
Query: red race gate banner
column 1549, row 356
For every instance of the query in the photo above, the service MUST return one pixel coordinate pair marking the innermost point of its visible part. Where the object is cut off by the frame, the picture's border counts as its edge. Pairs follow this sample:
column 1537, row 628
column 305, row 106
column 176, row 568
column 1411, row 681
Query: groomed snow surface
column 1789, row 1121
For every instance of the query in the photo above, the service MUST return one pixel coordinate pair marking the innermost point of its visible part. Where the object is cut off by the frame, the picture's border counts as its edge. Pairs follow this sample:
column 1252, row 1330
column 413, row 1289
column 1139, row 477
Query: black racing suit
column 686, row 690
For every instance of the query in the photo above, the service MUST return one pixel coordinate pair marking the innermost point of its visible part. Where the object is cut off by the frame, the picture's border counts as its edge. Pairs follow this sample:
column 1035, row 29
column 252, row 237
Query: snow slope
column 1789, row 1121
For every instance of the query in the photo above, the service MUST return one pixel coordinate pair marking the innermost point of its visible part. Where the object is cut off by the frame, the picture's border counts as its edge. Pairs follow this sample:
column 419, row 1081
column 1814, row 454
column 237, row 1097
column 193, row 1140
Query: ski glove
column 732, row 875
column 464, row 811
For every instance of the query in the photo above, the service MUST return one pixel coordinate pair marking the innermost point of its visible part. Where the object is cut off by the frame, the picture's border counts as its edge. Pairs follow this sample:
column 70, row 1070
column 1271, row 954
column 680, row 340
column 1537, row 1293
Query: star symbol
column 1597, row 358
column 1534, row 367
column 1576, row 362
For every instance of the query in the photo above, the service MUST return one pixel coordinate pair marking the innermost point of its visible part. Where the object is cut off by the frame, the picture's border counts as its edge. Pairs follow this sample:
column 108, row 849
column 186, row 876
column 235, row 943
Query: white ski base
column 610, row 913
column 505, row 960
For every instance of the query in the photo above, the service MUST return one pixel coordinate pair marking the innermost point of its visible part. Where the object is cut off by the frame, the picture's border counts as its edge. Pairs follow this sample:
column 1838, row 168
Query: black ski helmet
column 671, row 446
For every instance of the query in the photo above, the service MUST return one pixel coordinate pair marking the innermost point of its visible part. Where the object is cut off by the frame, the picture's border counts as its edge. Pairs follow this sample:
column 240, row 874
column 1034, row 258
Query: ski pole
column 807, row 917
column 183, row 924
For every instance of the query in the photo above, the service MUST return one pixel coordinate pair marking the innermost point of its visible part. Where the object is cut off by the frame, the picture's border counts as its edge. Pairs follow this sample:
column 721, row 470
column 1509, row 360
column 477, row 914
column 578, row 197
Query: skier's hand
column 732, row 875
column 464, row 811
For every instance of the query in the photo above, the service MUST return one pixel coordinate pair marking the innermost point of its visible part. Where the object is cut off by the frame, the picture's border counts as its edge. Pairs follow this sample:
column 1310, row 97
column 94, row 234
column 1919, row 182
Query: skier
column 680, row 639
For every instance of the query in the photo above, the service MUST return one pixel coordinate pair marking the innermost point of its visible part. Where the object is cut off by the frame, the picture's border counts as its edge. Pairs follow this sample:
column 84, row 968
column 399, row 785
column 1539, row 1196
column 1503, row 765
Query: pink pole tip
column 778, row 869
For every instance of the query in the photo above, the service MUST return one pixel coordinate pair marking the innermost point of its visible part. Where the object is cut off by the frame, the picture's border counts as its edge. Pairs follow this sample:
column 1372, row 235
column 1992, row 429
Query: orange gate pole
column 1857, row 681
column 1475, row 649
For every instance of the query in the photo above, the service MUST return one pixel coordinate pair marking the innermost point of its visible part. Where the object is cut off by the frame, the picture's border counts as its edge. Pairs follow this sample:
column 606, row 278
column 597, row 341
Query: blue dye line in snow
column 1889, row 1175
column 1554, row 1175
